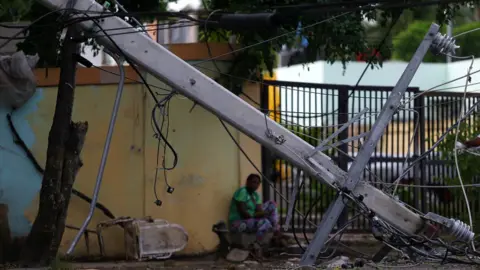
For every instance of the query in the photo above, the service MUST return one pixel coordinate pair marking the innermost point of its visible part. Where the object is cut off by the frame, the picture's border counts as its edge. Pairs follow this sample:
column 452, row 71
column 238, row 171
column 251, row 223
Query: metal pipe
column 106, row 148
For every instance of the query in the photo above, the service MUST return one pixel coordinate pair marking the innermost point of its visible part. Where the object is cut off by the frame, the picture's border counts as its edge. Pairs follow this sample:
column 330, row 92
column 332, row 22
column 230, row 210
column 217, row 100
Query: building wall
column 427, row 76
column 208, row 172
column 206, row 176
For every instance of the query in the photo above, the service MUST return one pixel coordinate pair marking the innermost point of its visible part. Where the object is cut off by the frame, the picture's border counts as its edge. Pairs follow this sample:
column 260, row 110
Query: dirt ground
column 283, row 261
column 206, row 264
column 192, row 265
column 280, row 261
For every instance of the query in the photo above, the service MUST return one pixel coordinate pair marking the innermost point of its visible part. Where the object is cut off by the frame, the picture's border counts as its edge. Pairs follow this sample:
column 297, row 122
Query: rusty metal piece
column 86, row 235
column 106, row 224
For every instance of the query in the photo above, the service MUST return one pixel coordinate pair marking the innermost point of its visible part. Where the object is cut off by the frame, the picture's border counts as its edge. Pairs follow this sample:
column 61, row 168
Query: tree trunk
column 5, row 236
column 64, row 144
column 71, row 165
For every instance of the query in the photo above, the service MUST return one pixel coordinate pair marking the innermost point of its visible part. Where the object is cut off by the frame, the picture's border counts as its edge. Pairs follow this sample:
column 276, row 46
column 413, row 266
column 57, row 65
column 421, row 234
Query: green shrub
column 469, row 169
column 406, row 42
column 469, row 43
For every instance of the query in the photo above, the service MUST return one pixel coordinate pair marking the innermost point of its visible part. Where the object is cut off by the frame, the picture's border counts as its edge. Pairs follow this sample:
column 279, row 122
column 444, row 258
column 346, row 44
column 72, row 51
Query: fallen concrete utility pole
column 187, row 80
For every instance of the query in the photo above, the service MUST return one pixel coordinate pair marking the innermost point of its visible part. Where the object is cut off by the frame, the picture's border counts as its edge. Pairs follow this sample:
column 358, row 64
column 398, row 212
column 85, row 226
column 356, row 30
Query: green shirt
column 242, row 195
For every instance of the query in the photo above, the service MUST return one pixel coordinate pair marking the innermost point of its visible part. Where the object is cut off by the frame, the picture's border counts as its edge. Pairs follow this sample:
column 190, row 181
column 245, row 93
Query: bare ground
column 247, row 265
column 282, row 261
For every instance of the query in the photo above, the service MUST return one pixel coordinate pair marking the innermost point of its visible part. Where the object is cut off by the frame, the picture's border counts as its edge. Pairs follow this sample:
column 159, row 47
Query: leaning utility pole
column 192, row 83
column 390, row 107
column 65, row 143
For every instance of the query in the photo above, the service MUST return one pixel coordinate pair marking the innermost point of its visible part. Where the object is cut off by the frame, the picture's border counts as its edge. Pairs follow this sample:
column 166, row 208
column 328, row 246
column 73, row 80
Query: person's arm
column 241, row 198
column 258, row 209
column 242, row 209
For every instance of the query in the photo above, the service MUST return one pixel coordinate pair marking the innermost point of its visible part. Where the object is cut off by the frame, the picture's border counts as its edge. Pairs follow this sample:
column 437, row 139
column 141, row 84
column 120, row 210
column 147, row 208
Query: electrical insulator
column 443, row 44
column 461, row 230
column 455, row 227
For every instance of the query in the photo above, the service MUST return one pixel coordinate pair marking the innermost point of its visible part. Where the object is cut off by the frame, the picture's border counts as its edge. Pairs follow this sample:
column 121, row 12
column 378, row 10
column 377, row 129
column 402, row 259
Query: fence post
column 419, row 149
column 343, row 116
column 267, row 157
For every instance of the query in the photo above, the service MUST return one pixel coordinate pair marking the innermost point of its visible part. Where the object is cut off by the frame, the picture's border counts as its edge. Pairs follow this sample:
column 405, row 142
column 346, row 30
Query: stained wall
column 209, row 169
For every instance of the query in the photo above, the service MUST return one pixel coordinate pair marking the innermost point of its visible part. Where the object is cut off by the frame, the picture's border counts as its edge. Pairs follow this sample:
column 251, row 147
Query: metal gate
column 313, row 111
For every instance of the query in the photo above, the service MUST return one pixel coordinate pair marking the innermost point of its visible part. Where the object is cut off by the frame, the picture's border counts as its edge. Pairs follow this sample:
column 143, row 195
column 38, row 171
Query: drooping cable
column 294, row 231
column 264, row 177
column 370, row 61
column 270, row 39
column 377, row 49
column 30, row 25
column 152, row 94
column 20, row 142
column 455, row 150
column 157, row 102
column 163, row 105
column 439, row 140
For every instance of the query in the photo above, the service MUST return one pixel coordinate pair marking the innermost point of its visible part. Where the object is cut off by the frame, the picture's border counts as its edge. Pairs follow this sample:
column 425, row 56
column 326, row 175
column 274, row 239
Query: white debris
column 338, row 262
column 17, row 78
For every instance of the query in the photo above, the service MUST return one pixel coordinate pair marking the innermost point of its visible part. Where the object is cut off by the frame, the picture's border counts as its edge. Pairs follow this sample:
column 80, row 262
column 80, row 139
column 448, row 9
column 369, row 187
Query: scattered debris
column 339, row 262
column 147, row 238
column 237, row 255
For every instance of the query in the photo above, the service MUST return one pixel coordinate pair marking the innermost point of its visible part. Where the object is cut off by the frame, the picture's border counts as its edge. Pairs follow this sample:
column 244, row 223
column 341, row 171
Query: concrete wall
column 209, row 169
column 19, row 180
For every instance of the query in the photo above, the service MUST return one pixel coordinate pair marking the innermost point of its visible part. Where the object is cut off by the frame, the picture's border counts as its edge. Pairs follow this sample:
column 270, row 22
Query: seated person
column 248, row 214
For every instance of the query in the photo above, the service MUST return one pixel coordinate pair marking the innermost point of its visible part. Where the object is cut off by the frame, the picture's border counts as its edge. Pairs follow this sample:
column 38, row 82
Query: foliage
column 340, row 38
column 14, row 10
column 464, row 15
column 407, row 41
column 468, row 165
column 469, row 43
column 337, row 39
column 44, row 36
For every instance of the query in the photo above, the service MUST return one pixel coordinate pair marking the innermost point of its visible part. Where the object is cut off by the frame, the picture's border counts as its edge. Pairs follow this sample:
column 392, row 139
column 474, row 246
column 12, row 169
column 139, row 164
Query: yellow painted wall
column 206, row 176
column 123, row 181
column 210, row 167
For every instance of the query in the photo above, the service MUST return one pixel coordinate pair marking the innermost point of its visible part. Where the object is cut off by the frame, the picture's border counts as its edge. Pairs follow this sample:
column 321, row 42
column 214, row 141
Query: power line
column 308, row 115
column 157, row 102
column 270, row 39
column 315, row 9
column 25, row 29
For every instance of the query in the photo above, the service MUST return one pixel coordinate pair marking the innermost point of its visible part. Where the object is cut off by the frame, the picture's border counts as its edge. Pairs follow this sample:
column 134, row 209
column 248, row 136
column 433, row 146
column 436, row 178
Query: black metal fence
column 314, row 111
